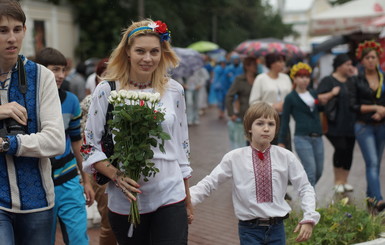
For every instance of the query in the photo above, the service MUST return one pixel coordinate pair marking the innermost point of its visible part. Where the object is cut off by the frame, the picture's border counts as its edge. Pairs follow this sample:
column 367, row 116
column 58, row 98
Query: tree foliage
column 101, row 22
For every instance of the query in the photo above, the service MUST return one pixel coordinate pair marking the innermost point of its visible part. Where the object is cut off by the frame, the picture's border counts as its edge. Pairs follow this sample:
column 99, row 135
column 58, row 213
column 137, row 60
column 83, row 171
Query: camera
column 12, row 127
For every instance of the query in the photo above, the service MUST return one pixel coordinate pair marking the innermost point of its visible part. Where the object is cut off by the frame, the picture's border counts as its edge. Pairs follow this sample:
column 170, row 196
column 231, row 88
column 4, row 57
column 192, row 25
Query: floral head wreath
column 298, row 67
column 158, row 27
column 368, row 45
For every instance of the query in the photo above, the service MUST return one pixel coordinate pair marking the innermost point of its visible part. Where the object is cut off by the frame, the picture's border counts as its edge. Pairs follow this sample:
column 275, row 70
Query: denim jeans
column 310, row 151
column 192, row 106
column 252, row 234
column 371, row 139
column 30, row 228
column 236, row 134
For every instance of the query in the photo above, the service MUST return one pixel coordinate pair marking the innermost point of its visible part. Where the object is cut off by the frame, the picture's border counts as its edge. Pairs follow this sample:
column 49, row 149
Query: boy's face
column 12, row 33
column 59, row 72
column 262, row 132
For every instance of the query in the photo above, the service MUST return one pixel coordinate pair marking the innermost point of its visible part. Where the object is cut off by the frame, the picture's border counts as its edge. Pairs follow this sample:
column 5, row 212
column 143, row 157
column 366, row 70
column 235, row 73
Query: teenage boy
column 70, row 204
column 260, row 174
column 31, row 130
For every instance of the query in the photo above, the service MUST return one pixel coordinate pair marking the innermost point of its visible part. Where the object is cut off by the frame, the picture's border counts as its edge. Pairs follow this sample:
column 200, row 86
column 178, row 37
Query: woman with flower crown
column 140, row 63
column 367, row 98
column 302, row 104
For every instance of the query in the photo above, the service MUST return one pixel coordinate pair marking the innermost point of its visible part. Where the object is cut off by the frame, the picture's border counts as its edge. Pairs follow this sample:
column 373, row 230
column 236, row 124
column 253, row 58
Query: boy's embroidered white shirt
column 238, row 166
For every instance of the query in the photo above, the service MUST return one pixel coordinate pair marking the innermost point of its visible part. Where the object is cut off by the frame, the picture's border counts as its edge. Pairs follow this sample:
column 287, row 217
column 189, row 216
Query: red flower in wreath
column 162, row 27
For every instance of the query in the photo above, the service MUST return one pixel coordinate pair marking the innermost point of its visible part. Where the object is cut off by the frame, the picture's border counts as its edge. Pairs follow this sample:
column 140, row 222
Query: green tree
column 227, row 22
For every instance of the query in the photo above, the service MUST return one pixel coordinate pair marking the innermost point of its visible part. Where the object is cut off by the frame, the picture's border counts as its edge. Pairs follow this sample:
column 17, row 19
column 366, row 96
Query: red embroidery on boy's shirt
column 263, row 176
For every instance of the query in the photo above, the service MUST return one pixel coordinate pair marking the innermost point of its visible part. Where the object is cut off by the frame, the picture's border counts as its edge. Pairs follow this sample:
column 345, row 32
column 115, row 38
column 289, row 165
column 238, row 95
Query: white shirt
column 270, row 90
column 308, row 99
column 238, row 166
column 167, row 186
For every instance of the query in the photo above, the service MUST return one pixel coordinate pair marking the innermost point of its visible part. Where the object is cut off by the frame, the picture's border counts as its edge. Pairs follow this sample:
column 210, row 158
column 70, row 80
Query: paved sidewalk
column 215, row 223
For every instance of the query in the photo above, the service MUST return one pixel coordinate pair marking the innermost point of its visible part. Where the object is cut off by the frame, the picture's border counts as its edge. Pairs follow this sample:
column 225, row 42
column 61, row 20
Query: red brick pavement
column 215, row 223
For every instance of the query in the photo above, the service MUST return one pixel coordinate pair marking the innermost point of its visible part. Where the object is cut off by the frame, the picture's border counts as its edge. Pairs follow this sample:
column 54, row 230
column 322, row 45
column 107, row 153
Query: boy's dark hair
column 50, row 56
column 272, row 58
column 258, row 110
column 12, row 8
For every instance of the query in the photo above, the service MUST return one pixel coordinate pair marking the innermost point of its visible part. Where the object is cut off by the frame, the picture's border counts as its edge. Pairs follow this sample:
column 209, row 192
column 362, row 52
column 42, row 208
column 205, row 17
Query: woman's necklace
column 140, row 85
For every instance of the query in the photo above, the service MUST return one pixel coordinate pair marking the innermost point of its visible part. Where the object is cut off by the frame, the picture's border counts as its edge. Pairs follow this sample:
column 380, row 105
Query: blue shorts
column 70, row 210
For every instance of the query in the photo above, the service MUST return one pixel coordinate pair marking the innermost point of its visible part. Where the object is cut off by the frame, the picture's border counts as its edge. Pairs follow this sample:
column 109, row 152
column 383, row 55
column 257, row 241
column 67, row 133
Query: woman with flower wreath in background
column 367, row 99
column 333, row 93
column 302, row 104
column 140, row 63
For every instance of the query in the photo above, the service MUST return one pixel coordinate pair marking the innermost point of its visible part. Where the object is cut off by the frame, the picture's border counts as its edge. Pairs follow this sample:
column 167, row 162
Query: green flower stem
column 134, row 217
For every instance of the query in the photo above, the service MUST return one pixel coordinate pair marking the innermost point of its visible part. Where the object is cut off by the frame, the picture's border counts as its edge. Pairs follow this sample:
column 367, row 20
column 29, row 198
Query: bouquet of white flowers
column 136, row 125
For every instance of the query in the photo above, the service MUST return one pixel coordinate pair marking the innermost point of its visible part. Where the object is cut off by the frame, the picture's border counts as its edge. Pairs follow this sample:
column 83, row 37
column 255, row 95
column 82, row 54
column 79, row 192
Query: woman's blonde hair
column 258, row 110
column 118, row 68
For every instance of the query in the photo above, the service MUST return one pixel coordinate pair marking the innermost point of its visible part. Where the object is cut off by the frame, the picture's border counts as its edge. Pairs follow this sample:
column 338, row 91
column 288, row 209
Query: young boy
column 260, row 174
column 69, row 200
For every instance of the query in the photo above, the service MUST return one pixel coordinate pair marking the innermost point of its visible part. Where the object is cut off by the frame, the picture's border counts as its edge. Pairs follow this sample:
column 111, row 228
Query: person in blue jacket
column 219, row 85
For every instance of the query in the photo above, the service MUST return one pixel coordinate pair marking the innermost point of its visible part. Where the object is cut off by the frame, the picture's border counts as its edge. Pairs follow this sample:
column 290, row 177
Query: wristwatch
column 4, row 146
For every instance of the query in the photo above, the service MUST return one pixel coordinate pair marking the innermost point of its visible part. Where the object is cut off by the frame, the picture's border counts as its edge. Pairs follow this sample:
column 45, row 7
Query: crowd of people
column 54, row 124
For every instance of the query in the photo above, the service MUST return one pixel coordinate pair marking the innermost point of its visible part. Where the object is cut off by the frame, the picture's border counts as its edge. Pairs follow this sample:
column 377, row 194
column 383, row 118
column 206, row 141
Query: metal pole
column 141, row 9
column 214, row 28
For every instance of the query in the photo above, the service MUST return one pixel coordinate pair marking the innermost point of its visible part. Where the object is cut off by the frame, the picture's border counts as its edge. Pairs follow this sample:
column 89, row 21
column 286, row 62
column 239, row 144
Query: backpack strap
column 110, row 106
column 106, row 141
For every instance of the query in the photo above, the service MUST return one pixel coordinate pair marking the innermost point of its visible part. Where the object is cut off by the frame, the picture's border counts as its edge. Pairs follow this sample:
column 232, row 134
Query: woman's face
column 370, row 61
column 251, row 67
column 278, row 66
column 346, row 68
column 145, row 55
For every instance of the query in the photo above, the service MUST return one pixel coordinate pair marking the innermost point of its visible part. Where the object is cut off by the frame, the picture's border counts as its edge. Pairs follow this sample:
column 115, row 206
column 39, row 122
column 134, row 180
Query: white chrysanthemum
column 134, row 95
column 114, row 95
column 130, row 94
column 157, row 95
column 144, row 96
column 123, row 94
column 154, row 97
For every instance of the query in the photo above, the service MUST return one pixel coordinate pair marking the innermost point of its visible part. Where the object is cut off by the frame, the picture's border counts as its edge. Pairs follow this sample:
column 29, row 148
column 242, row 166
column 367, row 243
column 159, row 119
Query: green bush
column 340, row 224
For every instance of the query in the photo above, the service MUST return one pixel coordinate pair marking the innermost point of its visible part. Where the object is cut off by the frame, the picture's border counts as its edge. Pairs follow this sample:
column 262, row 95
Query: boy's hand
column 190, row 212
column 305, row 231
